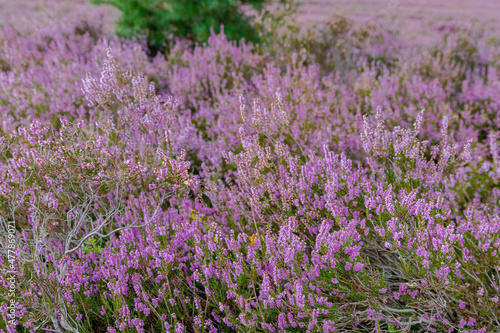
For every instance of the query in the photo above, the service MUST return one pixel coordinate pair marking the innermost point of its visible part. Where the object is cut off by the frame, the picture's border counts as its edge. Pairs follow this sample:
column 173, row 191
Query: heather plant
column 310, row 185
column 336, row 45
column 96, row 191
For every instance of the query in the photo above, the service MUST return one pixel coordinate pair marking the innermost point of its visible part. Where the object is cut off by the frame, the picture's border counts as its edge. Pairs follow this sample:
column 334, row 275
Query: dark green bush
column 161, row 20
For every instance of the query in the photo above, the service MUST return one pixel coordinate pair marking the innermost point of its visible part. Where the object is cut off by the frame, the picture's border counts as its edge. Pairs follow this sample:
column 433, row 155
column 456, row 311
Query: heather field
column 339, row 177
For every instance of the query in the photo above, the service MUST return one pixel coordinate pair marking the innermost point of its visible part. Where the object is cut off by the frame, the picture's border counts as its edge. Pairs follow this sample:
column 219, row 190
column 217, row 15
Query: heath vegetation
column 326, row 180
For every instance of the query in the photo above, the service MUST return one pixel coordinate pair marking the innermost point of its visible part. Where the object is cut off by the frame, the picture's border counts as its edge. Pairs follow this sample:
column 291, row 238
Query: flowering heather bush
column 231, row 187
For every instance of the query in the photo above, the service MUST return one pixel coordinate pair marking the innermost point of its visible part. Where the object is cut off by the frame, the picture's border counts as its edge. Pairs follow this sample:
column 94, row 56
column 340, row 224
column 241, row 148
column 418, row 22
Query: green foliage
column 160, row 20
column 91, row 246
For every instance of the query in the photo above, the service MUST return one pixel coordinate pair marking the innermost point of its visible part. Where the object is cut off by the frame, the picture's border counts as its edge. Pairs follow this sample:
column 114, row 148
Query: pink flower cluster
column 221, row 189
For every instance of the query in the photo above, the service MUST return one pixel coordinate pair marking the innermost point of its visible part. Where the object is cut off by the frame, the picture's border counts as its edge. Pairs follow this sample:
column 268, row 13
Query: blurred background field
column 414, row 19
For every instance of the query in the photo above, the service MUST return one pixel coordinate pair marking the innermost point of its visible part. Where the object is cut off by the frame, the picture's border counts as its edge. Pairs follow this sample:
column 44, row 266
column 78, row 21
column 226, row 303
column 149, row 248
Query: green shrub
column 161, row 20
